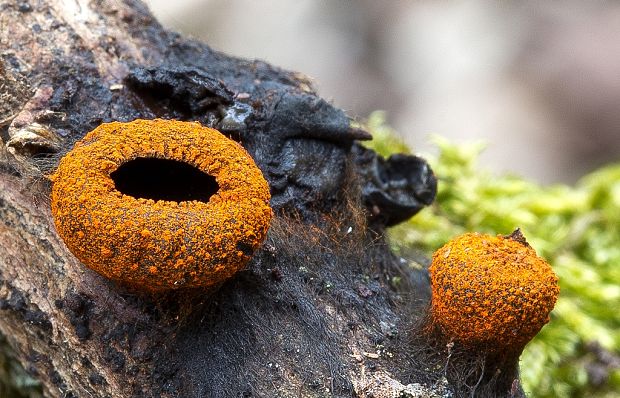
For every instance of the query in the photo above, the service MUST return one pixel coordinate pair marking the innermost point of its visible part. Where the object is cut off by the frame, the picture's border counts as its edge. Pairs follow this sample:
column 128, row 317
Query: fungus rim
column 491, row 292
column 160, row 245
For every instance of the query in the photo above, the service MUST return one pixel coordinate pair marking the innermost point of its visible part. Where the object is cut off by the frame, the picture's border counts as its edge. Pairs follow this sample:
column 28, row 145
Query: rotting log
column 323, row 308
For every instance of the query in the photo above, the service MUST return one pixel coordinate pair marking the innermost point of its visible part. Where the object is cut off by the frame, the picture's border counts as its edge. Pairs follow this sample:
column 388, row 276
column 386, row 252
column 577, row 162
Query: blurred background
column 538, row 81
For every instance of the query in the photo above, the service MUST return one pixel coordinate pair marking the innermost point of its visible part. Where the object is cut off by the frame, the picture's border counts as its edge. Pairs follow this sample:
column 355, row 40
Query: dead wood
column 323, row 309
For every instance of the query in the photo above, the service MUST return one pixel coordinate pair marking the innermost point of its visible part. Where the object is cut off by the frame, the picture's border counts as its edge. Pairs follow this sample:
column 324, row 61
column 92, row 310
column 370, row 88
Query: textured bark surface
column 323, row 309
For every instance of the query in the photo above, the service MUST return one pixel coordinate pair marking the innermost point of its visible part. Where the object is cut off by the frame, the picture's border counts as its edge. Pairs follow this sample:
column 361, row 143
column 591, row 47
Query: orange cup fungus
column 491, row 292
column 160, row 204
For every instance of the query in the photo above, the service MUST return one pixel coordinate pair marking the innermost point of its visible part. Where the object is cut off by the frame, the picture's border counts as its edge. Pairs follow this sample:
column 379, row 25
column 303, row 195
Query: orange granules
column 491, row 292
column 160, row 244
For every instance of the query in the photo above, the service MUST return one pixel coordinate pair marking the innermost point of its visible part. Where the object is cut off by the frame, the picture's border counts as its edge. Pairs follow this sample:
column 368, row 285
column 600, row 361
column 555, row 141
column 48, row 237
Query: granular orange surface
column 491, row 292
column 159, row 245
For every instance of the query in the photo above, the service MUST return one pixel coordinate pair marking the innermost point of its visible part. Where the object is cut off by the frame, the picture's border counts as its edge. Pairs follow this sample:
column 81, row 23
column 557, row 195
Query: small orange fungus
column 491, row 292
column 160, row 204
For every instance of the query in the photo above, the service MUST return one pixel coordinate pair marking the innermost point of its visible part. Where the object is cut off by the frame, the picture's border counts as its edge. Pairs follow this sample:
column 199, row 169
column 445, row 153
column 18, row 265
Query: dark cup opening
column 164, row 179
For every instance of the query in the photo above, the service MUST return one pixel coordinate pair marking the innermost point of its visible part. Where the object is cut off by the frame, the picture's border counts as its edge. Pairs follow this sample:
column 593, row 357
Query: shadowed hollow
column 164, row 179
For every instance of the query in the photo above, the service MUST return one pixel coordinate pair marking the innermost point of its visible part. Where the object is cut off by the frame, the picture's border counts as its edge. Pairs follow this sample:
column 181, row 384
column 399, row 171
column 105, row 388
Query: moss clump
column 492, row 293
column 160, row 244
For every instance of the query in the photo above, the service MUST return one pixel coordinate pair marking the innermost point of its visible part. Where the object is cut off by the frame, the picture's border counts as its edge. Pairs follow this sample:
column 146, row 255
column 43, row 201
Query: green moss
column 576, row 228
